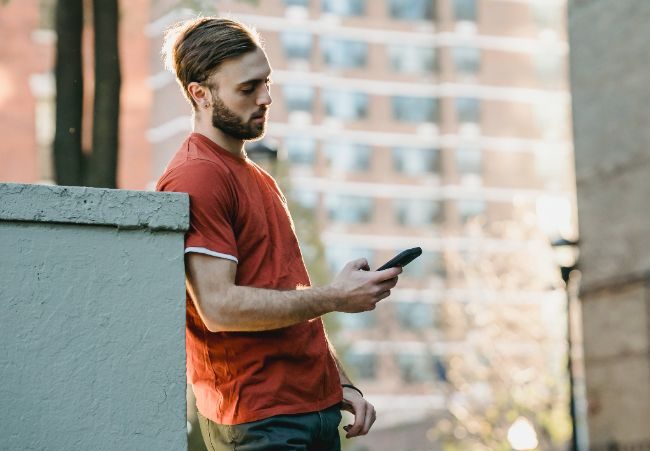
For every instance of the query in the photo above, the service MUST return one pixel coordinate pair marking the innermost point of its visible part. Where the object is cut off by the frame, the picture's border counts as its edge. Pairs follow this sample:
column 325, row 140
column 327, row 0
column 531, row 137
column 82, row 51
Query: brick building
column 28, row 92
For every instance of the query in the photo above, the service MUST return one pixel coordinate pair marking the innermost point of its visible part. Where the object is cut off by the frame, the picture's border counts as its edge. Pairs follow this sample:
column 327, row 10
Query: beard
column 228, row 122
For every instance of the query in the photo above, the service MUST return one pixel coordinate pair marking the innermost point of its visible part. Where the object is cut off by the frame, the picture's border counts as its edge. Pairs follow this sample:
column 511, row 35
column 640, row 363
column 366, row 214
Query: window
column 549, row 66
column 345, row 105
column 364, row 364
column 296, row 44
column 43, row 89
column 551, row 165
column 338, row 255
column 411, row 9
column 304, row 198
column 304, row 3
column 429, row 264
column 549, row 14
column 410, row 59
column 347, row 156
column 298, row 97
column 468, row 110
column 415, row 315
column 469, row 160
column 47, row 14
column 415, row 109
column 349, row 209
column 467, row 60
column 419, row 367
column 358, row 321
column 554, row 216
column 344, row 53
column 552, row 117
column 415, row 161
column 417, row 212
column 465, row 10
column 469, row 209
column 345, row 7
column 300, row 149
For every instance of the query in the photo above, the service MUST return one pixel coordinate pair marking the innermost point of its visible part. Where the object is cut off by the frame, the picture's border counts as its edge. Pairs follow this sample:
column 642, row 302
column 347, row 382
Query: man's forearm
column 227, row 307
column 247, row 309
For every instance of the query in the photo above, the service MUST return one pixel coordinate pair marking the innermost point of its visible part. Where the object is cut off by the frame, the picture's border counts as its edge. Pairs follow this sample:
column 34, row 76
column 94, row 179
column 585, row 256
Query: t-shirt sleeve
column 212, row 207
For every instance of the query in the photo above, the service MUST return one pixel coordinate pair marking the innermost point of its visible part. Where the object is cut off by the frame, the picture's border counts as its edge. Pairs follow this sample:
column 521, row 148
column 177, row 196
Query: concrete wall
column 93, row 319
column 610, row 78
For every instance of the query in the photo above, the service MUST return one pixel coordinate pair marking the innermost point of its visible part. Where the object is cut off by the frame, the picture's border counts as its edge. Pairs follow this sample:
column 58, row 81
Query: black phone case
column 402, row 259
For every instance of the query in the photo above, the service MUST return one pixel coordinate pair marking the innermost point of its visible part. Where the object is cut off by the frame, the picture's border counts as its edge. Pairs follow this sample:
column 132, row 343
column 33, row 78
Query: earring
column 206, row 105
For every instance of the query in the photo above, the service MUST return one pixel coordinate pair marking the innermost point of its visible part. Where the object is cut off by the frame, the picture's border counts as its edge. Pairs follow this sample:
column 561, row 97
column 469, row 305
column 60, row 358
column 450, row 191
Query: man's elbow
column 213, row 326
column 214, row 313
column 218, row 323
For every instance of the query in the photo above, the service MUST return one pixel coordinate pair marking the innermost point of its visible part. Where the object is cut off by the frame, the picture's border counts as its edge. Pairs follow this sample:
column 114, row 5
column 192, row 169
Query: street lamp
column 522, row 435
column 566, row 252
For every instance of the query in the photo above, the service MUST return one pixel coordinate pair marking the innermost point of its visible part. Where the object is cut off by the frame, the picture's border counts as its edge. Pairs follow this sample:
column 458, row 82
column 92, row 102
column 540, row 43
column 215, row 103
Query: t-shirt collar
column 217, row 148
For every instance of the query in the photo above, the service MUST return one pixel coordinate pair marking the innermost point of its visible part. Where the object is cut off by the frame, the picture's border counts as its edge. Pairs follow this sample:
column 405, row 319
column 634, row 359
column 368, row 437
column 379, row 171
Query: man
column 263, row 372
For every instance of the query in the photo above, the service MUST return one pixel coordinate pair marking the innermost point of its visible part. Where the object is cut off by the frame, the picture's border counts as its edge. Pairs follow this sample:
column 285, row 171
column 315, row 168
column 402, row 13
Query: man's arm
column 224, row 306
column 353, row 402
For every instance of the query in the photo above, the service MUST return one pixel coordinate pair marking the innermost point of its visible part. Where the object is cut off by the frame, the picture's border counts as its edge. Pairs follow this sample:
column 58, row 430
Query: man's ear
column 200, row 94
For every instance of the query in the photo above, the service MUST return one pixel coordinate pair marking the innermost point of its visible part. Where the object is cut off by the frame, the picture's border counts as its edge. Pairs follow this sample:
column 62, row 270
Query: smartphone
column 402, row 259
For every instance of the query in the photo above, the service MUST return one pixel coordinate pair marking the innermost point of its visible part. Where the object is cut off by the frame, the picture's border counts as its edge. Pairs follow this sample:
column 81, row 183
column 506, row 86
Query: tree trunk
column 68, row 158
column 102, row 166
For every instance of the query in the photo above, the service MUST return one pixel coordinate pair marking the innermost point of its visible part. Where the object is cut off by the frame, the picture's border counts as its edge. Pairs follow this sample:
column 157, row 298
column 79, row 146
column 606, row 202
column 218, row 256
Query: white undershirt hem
column 202, row 250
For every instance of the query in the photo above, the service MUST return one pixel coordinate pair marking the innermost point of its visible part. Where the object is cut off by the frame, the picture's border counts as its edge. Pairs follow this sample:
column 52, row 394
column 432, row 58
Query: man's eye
column 248, row 90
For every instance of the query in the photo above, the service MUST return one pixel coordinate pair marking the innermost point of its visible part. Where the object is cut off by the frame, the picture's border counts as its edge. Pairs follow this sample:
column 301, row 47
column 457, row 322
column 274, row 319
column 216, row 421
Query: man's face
column 241, row 96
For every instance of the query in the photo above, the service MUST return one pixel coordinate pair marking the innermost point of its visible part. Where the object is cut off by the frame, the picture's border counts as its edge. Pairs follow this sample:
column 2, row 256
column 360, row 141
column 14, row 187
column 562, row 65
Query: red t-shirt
column 237, row 212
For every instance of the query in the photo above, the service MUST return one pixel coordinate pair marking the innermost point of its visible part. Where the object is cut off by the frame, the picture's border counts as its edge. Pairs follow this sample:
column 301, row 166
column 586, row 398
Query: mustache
column 260, row 113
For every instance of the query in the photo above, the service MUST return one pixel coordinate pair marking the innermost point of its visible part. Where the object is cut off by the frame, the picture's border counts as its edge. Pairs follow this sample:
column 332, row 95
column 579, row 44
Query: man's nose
column 265, row 97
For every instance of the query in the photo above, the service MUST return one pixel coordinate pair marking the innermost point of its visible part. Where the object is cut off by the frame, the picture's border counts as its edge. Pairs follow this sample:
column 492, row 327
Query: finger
column 359, row 419
column 371, row 416
column 359, row 263
column 371, row 306
column 387, row 284
column 382, row 295
column 389, row 273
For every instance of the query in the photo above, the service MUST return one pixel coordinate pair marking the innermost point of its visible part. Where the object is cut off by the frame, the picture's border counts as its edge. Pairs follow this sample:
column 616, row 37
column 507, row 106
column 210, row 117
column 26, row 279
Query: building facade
column 609, row 77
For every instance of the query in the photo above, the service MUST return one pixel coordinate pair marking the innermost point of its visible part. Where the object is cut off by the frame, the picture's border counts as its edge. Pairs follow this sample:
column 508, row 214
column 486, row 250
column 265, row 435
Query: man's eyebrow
column 255, row 81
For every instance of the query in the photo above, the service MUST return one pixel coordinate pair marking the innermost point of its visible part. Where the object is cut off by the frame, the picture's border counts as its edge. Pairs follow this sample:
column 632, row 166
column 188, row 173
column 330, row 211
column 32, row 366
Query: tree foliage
column 513, row 366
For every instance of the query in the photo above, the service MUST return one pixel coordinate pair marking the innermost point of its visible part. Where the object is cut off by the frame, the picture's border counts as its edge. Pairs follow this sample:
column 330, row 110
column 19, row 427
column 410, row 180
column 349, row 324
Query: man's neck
column 227, row 142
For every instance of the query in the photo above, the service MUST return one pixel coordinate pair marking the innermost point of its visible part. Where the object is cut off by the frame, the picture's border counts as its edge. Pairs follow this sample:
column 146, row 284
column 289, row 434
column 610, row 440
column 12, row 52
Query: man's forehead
column 249, row 66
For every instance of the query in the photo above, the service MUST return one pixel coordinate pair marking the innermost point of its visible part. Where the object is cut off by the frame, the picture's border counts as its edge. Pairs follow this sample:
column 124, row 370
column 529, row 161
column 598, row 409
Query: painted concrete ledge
column 94, row 206
column 93, row 319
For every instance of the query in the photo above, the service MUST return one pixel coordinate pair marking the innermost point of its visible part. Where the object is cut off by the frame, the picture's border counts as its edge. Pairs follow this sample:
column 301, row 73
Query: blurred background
column 444, row 124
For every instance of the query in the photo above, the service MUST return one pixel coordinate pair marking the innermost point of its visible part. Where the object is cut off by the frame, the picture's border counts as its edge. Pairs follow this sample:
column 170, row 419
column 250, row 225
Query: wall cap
column 124, row 209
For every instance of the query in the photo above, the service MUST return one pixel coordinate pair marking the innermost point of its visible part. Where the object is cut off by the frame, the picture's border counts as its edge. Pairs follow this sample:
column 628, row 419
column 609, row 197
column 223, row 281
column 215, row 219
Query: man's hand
column 364, row 413
column 359, row 289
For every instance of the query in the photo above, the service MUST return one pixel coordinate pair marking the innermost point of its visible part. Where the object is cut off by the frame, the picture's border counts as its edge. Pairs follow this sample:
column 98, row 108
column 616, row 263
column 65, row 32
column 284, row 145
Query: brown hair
column 195, row 49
